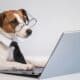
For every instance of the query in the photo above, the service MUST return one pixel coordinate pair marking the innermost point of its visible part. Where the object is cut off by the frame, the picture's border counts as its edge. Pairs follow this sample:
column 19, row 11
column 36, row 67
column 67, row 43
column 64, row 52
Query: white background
column 54, row 17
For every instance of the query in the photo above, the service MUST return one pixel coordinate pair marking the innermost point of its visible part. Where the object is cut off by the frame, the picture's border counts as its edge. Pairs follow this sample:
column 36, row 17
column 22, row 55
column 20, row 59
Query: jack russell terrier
column 14, row 22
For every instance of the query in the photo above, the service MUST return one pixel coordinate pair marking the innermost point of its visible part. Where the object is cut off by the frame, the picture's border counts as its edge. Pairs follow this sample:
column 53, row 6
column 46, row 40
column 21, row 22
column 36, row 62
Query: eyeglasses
column 32, row 20
column 31, row 23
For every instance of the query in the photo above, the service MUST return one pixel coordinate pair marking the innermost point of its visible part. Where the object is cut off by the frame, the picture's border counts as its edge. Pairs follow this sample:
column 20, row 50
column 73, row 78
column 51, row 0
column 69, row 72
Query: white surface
column 9, row 77
column 67, row 77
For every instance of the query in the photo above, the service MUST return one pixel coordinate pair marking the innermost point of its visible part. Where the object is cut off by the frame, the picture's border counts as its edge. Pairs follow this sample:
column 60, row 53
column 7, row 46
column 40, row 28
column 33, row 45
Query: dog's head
column 14, row 22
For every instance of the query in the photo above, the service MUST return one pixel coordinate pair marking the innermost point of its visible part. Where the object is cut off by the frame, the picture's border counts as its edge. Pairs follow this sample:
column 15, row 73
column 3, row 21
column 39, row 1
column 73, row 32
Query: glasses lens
column 32, row 22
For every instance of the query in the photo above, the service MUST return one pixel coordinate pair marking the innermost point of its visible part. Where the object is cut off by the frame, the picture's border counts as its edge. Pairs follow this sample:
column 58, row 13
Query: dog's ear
column 2, row 17
column 24, row 13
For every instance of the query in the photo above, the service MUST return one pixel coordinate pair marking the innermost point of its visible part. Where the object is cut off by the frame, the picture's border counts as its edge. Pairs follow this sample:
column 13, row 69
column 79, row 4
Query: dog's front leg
column 7, row 62
column 15, row 65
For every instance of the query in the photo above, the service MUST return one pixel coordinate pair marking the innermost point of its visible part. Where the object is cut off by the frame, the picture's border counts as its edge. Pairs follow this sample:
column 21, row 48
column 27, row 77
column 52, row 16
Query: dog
column 13, row 22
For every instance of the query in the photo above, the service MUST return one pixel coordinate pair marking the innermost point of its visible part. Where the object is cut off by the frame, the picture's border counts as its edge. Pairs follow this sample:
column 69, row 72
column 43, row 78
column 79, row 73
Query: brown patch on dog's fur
column 6, row 23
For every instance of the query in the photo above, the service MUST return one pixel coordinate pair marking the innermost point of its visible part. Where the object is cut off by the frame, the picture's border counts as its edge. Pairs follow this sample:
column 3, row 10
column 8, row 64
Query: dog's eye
column 14, row 22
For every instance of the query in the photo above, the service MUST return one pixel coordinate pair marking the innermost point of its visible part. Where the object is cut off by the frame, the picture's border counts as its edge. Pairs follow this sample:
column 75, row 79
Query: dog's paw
column 29, row 66
column 25, row 67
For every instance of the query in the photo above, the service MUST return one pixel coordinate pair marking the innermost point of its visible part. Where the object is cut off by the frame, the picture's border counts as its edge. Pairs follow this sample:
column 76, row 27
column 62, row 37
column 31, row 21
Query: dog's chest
column 5, row 40
column 4, row 48
column 4, row 51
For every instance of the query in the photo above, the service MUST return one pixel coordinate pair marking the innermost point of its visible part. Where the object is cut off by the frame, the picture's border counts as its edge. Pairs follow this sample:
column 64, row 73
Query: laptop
column 64, row 59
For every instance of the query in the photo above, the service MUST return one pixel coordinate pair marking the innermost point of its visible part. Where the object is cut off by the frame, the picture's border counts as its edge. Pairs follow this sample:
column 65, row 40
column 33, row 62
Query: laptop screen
column 65, row 57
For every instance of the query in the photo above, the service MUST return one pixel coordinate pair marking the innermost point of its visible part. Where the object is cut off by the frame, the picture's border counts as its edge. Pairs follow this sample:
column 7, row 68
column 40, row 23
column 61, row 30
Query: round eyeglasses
column 31, row 23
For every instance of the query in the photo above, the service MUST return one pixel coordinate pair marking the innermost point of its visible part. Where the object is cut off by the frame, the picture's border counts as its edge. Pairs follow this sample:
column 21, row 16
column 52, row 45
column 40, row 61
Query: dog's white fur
column 5, row 51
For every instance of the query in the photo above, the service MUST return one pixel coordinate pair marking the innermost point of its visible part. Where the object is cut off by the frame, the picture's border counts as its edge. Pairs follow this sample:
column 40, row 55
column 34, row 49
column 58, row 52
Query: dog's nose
column 29, row 31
